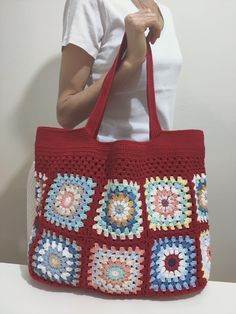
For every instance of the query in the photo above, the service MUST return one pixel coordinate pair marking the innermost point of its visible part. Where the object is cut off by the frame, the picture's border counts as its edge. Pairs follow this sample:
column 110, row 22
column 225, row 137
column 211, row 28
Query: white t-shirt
column 97, row 26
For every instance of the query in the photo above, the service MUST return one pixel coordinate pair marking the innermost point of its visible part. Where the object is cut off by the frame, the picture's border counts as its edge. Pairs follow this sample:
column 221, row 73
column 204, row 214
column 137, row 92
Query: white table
column 20, row 294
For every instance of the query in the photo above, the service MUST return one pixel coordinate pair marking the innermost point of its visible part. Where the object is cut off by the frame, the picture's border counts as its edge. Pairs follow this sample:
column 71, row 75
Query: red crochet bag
column 122, row 218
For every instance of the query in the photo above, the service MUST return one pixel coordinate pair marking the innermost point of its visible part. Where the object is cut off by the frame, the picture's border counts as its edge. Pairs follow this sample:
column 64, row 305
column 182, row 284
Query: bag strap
column 95, row 118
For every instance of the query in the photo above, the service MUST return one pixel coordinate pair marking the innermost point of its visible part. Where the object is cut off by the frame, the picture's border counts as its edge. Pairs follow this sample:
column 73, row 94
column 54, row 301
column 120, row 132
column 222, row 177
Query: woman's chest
column 166, row 53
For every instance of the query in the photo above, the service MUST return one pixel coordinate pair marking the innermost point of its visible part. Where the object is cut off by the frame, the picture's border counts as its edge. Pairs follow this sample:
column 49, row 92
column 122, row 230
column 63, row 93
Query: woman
column 92, row 33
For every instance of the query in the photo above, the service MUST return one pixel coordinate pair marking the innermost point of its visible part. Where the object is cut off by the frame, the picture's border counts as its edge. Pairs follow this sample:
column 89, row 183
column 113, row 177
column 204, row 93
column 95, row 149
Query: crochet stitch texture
column 122, row 218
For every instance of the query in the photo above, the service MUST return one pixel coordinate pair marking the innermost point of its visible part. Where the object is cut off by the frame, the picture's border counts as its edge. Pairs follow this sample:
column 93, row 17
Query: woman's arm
column 75, row 102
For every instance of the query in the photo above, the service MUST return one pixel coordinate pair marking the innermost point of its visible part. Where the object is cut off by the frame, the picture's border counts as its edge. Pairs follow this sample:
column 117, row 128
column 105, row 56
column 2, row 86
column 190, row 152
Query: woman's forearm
column 78, row 106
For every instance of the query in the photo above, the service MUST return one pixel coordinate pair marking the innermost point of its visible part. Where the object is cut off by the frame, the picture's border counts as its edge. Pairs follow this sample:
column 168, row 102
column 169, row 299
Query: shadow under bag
column 123, row 218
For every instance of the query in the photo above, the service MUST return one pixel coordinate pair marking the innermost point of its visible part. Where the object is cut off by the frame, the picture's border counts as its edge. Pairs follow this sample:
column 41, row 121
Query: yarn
column 134, row 226
column 122, row 218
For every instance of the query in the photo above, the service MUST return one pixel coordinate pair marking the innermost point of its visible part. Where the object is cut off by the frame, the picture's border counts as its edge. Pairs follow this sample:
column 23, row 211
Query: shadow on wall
column 38, row 107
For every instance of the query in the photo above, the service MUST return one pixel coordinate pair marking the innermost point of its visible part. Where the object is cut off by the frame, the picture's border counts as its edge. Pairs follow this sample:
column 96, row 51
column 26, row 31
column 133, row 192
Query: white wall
column 30, row 58
column 207, row 100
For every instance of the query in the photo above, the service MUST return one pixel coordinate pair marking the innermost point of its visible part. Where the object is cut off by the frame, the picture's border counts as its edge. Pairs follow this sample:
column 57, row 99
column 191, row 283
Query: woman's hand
column 148, row 16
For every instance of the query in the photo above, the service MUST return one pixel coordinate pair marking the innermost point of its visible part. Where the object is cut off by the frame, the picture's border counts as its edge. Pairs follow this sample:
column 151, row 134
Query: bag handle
column 95, row 118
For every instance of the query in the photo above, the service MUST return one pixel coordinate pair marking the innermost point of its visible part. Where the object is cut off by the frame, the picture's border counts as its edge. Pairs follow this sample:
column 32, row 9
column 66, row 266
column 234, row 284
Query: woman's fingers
column 135, row 26
column 147, row 19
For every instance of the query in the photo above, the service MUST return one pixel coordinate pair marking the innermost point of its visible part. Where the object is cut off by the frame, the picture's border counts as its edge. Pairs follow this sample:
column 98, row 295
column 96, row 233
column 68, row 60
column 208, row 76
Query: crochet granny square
column 206, row 253
column 173, row 264
column 68, row 201
column 168, row 204
column 120, row 213
column 200, row 188
column 116, row 270
column 57, row 259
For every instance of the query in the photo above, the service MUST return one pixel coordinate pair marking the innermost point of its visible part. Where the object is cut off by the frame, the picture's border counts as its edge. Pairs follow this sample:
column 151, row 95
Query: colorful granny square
column 200, row 187
column 167, row 201
column 68, row 200
column 114, row 270
column 39, row 188
column 120, row 212
column 206, row 253
column 173, row 264
column 57, row 259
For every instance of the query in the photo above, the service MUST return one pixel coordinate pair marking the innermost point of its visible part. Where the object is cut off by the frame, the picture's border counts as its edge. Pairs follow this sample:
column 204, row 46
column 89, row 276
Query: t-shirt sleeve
column 83, row 25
